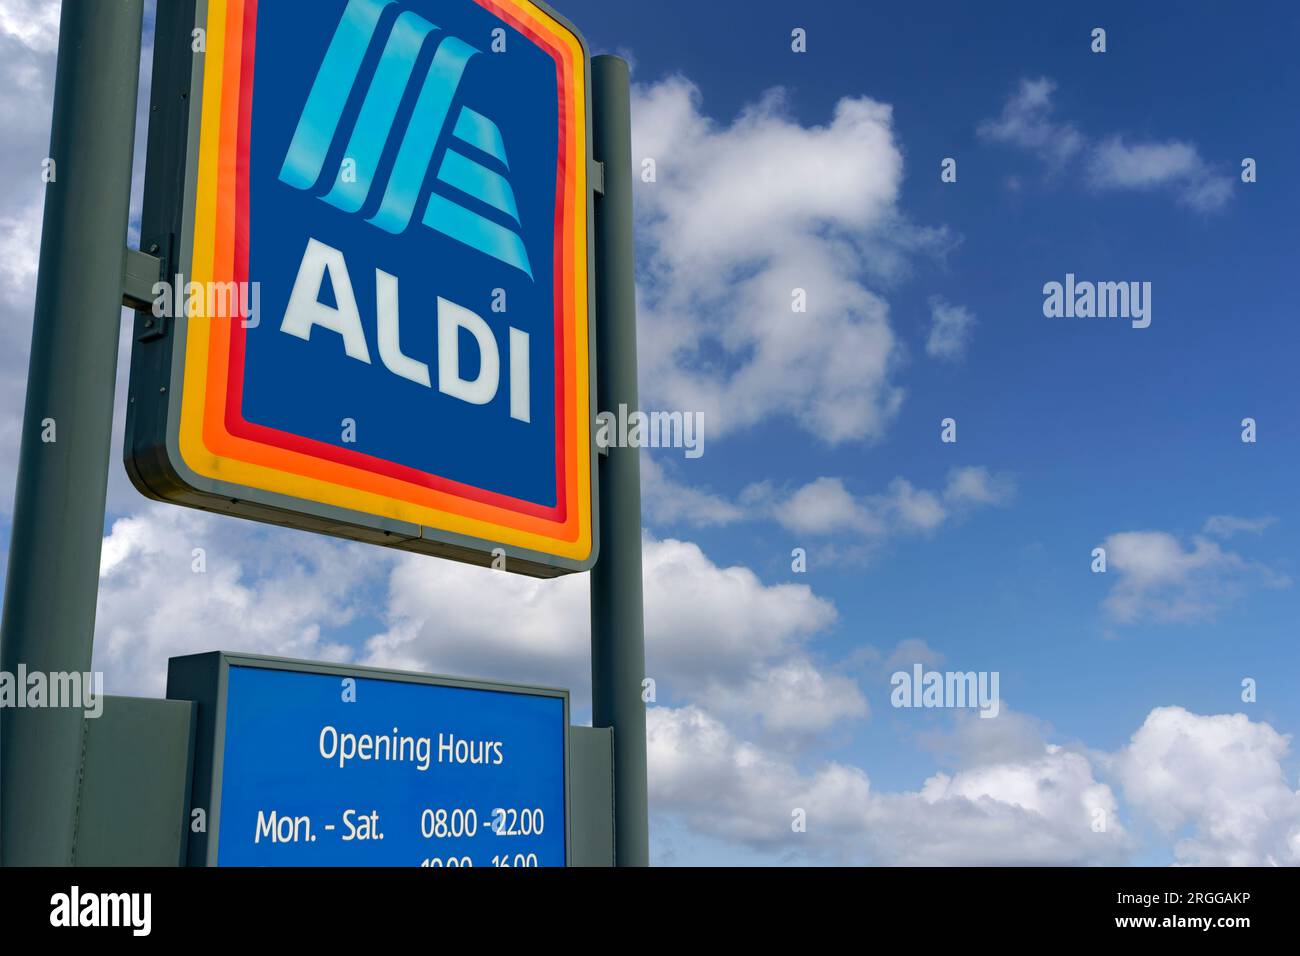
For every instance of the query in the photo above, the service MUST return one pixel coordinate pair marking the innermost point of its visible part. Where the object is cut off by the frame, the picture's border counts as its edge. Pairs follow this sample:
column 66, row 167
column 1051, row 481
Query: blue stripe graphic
column 475, row 179
column 480, row 132
column 416, row 154
column 379, row 110
column 329, row 93
column 318, row 126
column 473, row 230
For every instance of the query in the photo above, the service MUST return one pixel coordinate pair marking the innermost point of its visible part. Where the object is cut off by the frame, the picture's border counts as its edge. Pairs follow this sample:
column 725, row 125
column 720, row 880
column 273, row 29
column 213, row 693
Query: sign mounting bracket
column 140, row 273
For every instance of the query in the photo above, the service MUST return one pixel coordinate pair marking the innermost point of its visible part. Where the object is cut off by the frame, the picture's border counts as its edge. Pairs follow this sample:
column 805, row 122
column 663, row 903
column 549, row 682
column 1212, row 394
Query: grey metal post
column 617, row 617
column 53, row 577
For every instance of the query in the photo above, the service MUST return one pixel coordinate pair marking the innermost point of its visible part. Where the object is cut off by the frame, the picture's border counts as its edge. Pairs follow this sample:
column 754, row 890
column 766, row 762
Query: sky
column 1128, row 732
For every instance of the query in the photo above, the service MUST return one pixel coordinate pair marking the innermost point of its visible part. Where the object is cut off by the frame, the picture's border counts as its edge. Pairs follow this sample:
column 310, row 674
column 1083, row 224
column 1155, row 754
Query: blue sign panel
column 327, row 769
column 413, row 155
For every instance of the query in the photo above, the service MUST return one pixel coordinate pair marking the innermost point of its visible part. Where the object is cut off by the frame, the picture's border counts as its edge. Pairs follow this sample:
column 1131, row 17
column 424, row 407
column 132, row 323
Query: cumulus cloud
column 1111, row 162
column 975, row 741
column 978, row 486
column 1115, row 164
column 741, row 215
column 1037, row 809
column 1221, row 777
column 175, row 581
column 665, row 498
column 1215, row 784
column 950, row 330
column 717, row 635
column 32, row 24
column 709, row 628
column 1225, row 526
column 909, row 651
column 1161, row 579
column 1143, row 165
column 1026, row 121
column 825, row 506
column 792, row 699
column 729, row 788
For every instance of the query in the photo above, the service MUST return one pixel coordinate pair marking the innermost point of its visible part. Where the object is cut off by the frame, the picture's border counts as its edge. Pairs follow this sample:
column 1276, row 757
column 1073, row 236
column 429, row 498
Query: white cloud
column 1213, row 783
column 1111, row 162
column 725, row 787
column 975, row 741
column 792, row 699
column 715, row 634
column 263, row 590
column 707, row 626
column 1207, row 192
column 976, row 485
column 950, row 330
column 33, row 24
column 1115, row 164
column 740, row 216
column 1225, row 526
column 825, row 506
column 1026, row 122
column 712, row 632
column 666, row 499
column 1220, row 776
column 453, row 618
column 1161, row 580
column 913, row 508
column 909, row 651
column 1039, row 809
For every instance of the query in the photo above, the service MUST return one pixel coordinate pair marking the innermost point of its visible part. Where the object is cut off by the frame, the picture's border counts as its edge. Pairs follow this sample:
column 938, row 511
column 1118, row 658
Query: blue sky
column 1104, row 427
column 1072, row 433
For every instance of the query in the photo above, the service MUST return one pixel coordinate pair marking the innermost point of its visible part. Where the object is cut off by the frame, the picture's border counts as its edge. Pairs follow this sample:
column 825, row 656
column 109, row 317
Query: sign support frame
column 617, row 611
column 58, row 518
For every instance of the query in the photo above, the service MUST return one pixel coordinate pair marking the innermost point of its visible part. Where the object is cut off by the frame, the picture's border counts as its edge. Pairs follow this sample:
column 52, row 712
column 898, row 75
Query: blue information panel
column 327, row 769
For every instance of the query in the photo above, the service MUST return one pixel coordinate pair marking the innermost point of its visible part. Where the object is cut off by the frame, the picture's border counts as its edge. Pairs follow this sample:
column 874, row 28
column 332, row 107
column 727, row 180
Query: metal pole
column 617, row 618
column 58, row 524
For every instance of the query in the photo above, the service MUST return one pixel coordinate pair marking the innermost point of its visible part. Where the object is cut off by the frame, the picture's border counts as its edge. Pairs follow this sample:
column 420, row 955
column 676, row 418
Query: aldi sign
column 375, row 219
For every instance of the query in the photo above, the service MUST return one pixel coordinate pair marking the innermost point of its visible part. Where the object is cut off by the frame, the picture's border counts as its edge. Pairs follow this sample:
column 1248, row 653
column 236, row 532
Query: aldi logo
column 404, row 182
column 465, row 177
